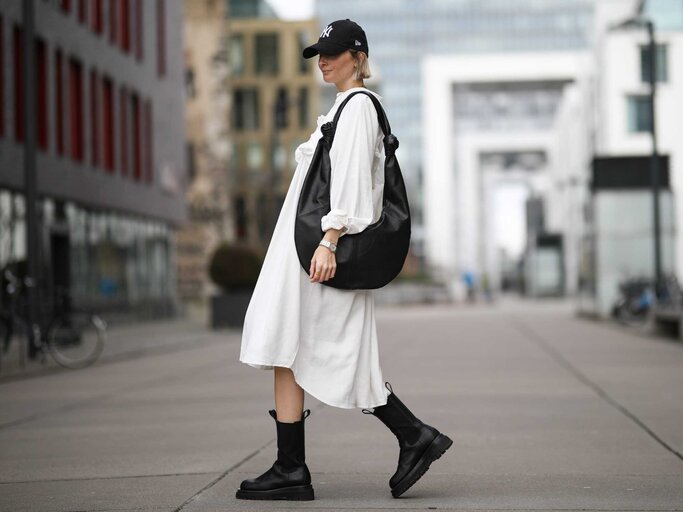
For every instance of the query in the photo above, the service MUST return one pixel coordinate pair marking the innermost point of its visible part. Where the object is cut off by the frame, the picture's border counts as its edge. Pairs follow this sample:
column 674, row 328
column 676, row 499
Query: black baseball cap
column 337, row 37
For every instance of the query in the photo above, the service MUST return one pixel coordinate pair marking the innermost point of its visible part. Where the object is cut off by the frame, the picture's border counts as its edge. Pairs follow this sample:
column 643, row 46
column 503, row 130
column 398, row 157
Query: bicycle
column 636, row 299
column 73, row 338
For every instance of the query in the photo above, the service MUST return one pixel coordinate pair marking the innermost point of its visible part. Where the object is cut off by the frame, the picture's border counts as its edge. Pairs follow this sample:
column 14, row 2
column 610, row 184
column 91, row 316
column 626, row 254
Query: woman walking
column 317, row 338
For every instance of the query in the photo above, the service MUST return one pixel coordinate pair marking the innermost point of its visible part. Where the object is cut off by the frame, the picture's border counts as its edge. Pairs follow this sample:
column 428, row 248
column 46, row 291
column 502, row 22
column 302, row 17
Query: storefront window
column 125, row 262
column 115, row 262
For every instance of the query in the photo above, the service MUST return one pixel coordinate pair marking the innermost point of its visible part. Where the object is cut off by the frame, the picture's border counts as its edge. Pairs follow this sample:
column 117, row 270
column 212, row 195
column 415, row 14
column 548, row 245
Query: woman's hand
column 324, row 262
column 323, row 265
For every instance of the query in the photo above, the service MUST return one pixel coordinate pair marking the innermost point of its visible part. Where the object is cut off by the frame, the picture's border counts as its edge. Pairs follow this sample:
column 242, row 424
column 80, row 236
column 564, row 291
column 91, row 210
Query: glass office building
column 401, row 33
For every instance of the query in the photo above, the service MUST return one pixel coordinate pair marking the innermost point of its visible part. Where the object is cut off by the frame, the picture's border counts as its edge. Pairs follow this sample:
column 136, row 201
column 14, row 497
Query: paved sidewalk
column 547, row 412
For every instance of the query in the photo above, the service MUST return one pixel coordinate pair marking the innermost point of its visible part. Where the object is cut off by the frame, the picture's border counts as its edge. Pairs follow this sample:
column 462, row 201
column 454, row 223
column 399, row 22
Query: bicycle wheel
column 76, row 339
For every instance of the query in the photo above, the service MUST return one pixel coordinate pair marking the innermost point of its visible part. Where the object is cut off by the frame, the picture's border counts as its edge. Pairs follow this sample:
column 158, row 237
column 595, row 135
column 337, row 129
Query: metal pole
column 30, row 181
column 654, row 158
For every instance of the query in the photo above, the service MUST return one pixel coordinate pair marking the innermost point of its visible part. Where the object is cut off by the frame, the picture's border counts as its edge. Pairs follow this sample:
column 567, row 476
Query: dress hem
column 269, row 366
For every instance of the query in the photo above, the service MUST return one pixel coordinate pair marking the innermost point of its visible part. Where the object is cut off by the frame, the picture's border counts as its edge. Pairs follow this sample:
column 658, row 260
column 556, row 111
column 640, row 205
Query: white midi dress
column 327, row 336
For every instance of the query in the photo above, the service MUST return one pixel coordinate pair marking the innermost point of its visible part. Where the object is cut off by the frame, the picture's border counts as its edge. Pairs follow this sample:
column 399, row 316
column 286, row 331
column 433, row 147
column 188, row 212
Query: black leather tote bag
column 369, row 259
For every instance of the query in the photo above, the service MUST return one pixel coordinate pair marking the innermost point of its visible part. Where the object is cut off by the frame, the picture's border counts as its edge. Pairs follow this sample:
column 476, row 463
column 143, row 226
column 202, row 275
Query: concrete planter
column 229, row 308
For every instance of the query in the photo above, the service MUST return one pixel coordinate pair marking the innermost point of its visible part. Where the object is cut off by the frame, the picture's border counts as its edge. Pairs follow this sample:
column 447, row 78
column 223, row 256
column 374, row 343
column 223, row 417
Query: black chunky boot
column 288, row 478
column 419, row 444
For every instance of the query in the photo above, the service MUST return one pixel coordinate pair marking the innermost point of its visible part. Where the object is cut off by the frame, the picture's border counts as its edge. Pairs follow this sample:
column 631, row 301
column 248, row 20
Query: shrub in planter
column 234, row 269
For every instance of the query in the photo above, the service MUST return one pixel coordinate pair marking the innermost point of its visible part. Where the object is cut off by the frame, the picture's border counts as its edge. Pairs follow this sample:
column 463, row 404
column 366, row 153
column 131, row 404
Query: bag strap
column 381, row 115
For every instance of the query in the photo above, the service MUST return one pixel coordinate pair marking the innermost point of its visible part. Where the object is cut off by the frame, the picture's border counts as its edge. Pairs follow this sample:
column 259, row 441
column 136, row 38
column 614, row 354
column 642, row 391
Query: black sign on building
column 627, row 173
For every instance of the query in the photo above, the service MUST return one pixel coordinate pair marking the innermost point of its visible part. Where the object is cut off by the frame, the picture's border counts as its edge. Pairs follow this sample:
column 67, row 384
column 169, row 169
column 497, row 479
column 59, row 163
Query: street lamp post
column 30, row 178
column 642, row 22
column 654, row 156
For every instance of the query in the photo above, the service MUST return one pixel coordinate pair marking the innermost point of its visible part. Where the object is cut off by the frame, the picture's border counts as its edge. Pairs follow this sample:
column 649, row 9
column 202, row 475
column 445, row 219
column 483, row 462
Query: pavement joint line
column 222, row 476
column 89, row 401
column 115, row 477
column 128, row 355
column 231, row 469
column 564, row 362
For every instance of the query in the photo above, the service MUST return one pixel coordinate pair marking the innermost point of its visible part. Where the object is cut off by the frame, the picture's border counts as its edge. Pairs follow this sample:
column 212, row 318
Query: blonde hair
column 362, row 65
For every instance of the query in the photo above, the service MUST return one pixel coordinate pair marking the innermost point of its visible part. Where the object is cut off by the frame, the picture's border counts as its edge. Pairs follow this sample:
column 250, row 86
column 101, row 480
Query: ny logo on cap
column 326, row 32
column 358, row 43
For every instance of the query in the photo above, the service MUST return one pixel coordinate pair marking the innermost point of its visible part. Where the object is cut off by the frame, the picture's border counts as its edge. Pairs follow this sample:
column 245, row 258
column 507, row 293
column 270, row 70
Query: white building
column 620, row 243
column 500, row 129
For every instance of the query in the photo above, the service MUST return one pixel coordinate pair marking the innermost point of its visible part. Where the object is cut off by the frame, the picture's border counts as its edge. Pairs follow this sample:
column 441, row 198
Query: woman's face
column 337, row 68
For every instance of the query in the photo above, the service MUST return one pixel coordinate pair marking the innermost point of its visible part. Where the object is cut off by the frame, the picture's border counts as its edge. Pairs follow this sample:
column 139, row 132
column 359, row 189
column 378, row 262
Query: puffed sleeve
column 351, row 158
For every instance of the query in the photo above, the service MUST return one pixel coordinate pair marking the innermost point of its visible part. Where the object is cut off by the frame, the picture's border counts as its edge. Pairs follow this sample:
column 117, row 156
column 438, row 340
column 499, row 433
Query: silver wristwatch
column 330, row 245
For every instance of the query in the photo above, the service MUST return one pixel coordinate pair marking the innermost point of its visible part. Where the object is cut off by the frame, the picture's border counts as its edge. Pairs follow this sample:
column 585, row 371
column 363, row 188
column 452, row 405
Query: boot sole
column 434, row 451
column 294, row 493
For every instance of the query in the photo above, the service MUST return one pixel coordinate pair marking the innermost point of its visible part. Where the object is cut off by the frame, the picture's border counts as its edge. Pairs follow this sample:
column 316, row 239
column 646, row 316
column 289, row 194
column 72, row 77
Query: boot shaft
column 407, row 428
column 291, row 441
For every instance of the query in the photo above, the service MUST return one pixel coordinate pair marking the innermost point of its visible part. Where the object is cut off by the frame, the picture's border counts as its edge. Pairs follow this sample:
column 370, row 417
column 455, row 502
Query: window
column 237, row 54
column 191, row 160
column 82, row 11
column 281, row 108
column 303, row 63
column 245, row 111
column 137, row 134
column 18, row 70
column 639, row 119
column 266, row 54
column 94, row 118
column 124, row 25
column 96, row 16
column 303, row 107
column 161, row 37
column 661, row 63
column 59, row 102
column 279, row 156
column 149, row 143
column 76, row 109
column 190, row 90
column 240, row 218
column 139, row 30
column 262, row 216
column 2, row 78
column 254, row 156
column 65, row 5
column 108, row 124
column 113, row 8
column 123, row 120
column 41, row 94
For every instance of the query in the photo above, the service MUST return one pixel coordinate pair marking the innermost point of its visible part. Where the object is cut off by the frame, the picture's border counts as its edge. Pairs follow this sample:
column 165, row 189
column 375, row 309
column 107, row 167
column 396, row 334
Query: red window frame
column 124, row 25
column 149, row 142
column 59, row 101
column 76, row 109
column 108, row 123
column 18, row 70
column 82, row 11
column 113, row 24
column 161, row 37
column 139, row 30
column 94, row 118
column 123, row 116
column 41, row 94
column 97, row 16
column 137, row 146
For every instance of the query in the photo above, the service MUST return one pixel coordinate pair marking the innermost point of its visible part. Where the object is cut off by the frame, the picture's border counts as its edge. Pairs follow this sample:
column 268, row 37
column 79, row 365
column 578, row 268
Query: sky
column 293, row 9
